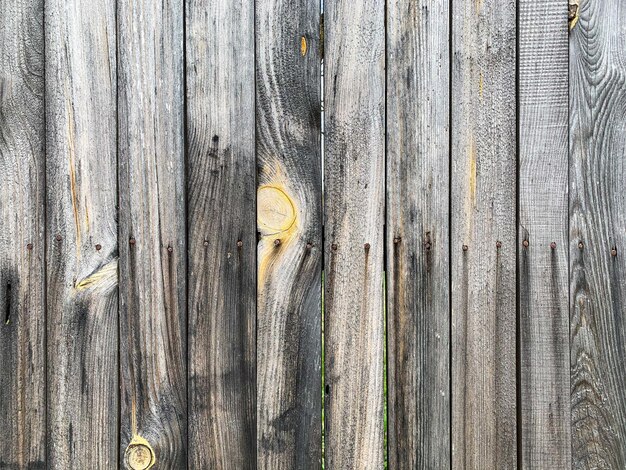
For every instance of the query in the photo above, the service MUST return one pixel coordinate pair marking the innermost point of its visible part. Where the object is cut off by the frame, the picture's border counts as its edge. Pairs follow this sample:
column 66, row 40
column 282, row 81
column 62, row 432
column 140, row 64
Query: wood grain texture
column 354, row 91
column 598, row 234
column 289, row 221
column 82, row 297
column 483, row 221
column 222, row 233
column 153, row 321
column 22, row 244
column 542, row 236
column 418, row 294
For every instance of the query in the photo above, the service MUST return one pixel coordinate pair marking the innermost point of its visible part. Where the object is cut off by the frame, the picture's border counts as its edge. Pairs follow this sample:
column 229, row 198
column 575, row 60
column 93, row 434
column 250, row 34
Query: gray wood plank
column 483, row 239
column 222, row 233
column 598, row 234
column 81, row 236
column 290, row 225
column 542, row 235
column 354, row 93
column 22, row 244
column 418, row 290
column 153, row 321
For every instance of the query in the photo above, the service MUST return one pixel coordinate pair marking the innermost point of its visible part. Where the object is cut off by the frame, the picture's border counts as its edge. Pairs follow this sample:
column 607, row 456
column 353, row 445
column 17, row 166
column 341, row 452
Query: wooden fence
column 201, row 269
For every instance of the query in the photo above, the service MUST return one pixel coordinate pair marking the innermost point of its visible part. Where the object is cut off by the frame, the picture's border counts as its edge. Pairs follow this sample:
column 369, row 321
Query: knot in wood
column 276, row 211
column 139, row 456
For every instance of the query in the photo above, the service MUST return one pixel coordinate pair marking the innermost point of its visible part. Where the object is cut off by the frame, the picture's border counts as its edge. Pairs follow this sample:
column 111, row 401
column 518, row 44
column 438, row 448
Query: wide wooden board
column 289, row 221
column 221, row 190
column 81, row 234
column 22, row 243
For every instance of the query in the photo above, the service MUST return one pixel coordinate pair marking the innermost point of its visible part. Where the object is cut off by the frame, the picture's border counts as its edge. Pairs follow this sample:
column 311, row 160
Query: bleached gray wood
column 418, row 289
column 153, row 321
column 354, row 92
column 289, row 218
column 484, row 221
column 22, row 244
column 81, row 234
column 542, row 236
column 598, row 234
column 222, row 233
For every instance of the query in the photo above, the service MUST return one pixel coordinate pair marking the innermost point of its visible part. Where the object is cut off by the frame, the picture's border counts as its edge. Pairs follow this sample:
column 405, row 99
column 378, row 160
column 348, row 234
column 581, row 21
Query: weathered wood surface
column 289, row 218
column 483, row 235
column 598, row 234
column 221, row 192
column 418, row 290
column 542, row 236
column 22, row 243
column 81, row 234
column 153, row 323
column 354, row 93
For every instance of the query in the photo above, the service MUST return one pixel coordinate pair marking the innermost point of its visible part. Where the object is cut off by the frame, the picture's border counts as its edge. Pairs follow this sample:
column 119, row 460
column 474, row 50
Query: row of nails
column 396, row 240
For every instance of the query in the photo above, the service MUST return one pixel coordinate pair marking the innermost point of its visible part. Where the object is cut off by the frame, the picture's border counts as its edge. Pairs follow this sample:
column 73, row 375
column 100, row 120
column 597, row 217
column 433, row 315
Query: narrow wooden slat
column 222, row 233
column 354, row 91
column 542, row 235
column 22, row 301
column 598, row 233
column 483, row 239
column 290, row 224
column 153, row 319
column 82, row 253
column 417, row 268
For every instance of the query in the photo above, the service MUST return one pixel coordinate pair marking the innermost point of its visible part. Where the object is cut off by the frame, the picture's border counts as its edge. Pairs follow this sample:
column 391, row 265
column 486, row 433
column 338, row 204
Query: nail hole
column 216, row 138
column 327, row 389
column 498, row 244
column 132, row 241
column 334, row 247
column 59, row 237
column 170, row 249
column 206, row 243
column 29, row 246
column 581, row 245
column 465, row 247
column 98, row 247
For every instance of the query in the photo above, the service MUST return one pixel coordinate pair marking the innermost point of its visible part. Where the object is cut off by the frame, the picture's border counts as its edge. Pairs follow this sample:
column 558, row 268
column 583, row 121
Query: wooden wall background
column 200, row 269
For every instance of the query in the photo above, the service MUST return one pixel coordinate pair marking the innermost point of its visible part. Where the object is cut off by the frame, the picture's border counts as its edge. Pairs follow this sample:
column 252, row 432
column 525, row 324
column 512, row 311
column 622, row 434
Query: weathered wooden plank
column 483, row 235
column 290, row 224
column 597, row 233
column 354, row 93
column 153, row 321
column 418, row 298
column 82, row 252
column 22, row 244
column 542, row 235
column 222, row 233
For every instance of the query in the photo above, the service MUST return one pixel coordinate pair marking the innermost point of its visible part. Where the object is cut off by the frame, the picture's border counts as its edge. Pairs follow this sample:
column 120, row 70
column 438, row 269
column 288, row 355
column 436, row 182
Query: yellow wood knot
column 276, row 211
column 303, row 46
column 573, row 13
column 139, row 454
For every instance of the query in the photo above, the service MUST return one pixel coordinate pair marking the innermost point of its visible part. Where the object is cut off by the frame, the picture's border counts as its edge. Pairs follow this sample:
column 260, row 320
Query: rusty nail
column 206, row 242
column 239, row 243
column 553, row 245
column 277, row 242
column 29, row 246
column 309, row 246
column 525, row 243
column 465, row 247
column 367, row 246
column 334, row 247
column 498, row 244
column 59, row 237
column 98, row 247
column 131, row 241
column 614, row 251
column 170, row 249
column 581, row 245
column 427, row 245
column 397, row 240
